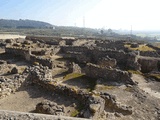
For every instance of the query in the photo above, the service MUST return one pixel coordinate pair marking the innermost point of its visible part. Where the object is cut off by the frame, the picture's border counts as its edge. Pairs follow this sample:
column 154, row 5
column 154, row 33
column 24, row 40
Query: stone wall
column 28, row 56
column 7, row 115
column 149, row 64
column 94, row 105
column 95, row 71
column 93, row 54
column 42, row 61
column 108, row 44
column 25, row 53
column 81, row 49
column 120, row 56
column 42, row 77
column 149, row 53
column 107, row 62
column 8, row 86
column 132, row 61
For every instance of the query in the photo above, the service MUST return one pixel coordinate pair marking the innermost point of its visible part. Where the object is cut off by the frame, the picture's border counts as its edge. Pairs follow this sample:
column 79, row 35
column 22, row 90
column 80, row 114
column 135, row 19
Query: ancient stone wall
column 28, row 56
column 107, row 62
column 149, row 64
column 108, row 44
column 120, row 56
column 8, row 86
column 66, row 49
column 149, row 53
column 25, row 53
column 95, row 71
column 93, row 55
column 42, row 76
column 132, row 61
column 42, row 61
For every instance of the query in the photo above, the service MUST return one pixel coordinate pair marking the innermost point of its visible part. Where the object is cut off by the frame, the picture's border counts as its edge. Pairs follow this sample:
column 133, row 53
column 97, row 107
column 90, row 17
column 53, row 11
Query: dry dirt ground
column 8, row 36
column 27, row 97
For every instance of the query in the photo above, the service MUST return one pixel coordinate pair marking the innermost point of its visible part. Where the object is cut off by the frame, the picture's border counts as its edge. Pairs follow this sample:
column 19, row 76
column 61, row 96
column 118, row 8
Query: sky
column 114, row 14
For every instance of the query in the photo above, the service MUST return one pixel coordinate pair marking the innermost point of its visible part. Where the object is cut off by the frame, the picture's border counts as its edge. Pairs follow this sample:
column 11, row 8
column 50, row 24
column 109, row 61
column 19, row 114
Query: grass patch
column 105, row 87
column 90, row 83
column 155, row 76
column 73, row 76
column 129, row 89
column 134, row 72
column 79, row 108
column 140, row 48
column 74, row 113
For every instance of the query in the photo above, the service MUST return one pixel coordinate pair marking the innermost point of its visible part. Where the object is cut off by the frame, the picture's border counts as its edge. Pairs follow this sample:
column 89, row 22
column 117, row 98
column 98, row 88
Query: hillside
column 23, row 24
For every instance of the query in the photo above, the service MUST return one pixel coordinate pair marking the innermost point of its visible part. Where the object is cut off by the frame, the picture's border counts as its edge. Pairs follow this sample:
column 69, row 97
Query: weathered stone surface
column 107, row 62
column 110, row 102
column 13, row 115
column 95, row 107
column 132, row 61
column 96, row 71
column 8, row 86
column 48, row 107
column 149, row 64
column 73, row 68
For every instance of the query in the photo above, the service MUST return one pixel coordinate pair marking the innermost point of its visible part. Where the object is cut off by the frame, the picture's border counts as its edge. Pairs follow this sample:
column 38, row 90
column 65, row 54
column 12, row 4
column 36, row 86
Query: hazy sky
column 115, row 14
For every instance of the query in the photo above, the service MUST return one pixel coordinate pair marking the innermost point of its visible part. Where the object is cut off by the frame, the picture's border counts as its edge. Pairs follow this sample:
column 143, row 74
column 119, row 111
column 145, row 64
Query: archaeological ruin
column 70, row 78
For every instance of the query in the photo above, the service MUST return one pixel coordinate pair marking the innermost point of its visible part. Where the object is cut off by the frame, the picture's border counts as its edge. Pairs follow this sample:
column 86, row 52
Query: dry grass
column 134, row 72
column 129, row 89
column 155, row 76
column 105, row 87
column 140, row 48
column 73, row 76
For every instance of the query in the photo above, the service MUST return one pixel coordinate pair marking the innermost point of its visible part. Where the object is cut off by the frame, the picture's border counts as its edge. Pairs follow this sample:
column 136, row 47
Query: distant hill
column 23, row 24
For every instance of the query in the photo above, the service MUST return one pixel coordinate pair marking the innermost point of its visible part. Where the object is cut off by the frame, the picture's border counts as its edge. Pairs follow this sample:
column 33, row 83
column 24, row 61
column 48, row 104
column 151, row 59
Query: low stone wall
column 94, row 104
column 49, row 107
column 149, row 64
column 95, row 71
column 114, row 106
column 149, row 53
column 42, row 61
column 8, row 86
column 42, row 77
column 107, row 62
column 93, row 54
column 26, row 54
column 132, row 61
column 120, row 56
column 108, row 44
column 7, row 115
column 66, row 49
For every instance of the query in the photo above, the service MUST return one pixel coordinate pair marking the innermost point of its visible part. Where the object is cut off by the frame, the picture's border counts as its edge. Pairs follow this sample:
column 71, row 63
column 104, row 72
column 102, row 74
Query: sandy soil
column 27, row 97
column 146, row 86
column 8, row 36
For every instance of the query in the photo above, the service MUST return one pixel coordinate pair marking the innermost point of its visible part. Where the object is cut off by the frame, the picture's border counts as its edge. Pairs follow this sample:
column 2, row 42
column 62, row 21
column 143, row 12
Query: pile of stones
column 8, row 86
column 48, row 107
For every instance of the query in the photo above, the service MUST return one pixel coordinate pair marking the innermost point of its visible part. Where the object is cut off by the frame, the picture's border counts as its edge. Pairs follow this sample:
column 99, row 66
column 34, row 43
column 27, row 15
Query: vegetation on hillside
column 23, row 24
